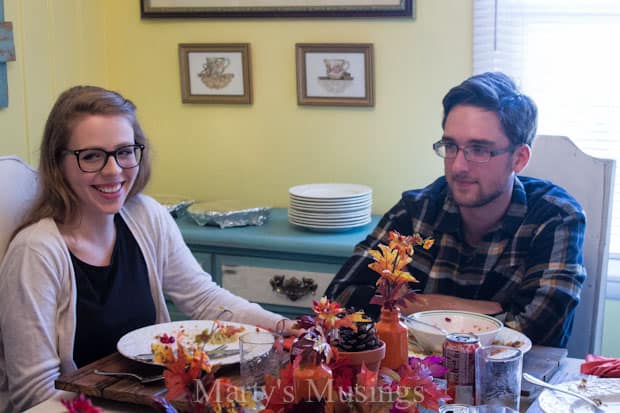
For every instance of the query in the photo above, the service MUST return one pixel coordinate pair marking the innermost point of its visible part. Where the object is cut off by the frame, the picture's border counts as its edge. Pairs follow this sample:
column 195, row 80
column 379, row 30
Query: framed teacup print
column 335, row 74
column 215, row 73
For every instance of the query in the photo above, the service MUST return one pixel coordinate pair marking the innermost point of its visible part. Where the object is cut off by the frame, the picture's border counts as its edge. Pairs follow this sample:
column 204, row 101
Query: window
column 564, row 54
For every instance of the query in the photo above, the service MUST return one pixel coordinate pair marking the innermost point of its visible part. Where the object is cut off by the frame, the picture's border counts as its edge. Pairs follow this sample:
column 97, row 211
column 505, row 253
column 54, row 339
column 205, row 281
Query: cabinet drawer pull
column 293, row 287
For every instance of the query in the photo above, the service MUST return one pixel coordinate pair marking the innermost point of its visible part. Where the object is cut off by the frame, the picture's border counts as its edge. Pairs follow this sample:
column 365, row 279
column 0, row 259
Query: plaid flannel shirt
column 531, row 263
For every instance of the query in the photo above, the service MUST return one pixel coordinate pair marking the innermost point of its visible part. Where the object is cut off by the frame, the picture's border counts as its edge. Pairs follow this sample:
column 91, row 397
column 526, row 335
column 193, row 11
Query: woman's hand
column 286, row 327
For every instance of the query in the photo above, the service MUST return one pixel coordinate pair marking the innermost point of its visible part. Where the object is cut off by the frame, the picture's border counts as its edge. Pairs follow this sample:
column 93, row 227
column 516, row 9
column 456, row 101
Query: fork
column 595, row 403
column 143, row 380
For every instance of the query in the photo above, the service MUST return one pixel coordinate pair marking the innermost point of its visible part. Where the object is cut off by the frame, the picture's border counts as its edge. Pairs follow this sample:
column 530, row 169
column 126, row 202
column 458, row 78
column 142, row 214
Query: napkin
column 601, row 366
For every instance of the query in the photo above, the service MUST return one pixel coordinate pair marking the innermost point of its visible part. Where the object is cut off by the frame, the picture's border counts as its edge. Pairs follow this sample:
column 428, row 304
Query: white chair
column 18, row 186
column 590, row 181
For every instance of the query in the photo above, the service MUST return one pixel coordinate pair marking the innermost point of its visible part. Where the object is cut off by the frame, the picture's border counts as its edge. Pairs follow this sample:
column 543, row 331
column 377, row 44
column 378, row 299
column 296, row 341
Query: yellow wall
column 58, row 44
column 257, row 152
column 249, row 152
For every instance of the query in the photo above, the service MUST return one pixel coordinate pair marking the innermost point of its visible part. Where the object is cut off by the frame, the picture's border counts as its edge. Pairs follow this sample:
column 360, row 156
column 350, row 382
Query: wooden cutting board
column 127, row 389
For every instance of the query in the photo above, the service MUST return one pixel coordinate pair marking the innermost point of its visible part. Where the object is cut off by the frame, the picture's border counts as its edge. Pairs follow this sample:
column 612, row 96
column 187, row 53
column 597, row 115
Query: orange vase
column 394, row 333
column 312, row 382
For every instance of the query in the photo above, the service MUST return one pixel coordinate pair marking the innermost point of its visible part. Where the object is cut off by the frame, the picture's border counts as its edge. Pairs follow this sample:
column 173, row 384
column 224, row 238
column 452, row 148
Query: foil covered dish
column 228, row 213
column 175, row 204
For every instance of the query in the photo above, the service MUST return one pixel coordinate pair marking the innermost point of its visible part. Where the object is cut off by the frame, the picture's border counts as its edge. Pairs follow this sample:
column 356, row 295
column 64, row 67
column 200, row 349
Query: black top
column 111, row 300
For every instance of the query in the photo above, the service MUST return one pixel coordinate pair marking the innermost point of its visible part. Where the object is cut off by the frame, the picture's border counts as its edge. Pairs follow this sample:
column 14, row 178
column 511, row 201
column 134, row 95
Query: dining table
column 124, row 395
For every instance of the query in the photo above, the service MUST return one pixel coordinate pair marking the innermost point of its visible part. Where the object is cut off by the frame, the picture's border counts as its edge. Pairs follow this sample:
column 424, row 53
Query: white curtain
column 565, row 54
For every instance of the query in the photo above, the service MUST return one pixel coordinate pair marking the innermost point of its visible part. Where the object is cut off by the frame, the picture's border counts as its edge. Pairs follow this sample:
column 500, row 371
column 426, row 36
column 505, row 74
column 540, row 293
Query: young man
column 503, row 243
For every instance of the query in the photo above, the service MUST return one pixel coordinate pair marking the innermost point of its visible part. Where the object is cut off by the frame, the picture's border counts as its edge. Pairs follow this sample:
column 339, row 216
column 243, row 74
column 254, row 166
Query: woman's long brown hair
column 56, row 199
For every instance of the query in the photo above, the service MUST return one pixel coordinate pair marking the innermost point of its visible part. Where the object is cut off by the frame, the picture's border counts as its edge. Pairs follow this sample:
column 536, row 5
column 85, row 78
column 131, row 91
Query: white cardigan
column 38, row 298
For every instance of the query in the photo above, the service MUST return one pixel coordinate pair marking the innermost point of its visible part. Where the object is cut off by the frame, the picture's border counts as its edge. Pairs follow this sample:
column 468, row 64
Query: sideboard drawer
column 250, row 278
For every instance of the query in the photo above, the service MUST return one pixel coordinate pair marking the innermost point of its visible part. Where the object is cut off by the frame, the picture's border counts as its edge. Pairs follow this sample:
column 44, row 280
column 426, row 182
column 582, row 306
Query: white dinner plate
column 323, row 224
column 506, row 336
column 606, row 390
column 330, row 191
column 329, row 216
column 342, row 228
column 139, row 341
column 331, row 201
column 347, row 206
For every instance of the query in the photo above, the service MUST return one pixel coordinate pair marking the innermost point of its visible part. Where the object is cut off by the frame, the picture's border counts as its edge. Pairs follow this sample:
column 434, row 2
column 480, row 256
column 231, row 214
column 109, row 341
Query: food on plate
column 476, row 328
column 223, row 334
column 195, row 344
column 515, row 344
column 162, row 353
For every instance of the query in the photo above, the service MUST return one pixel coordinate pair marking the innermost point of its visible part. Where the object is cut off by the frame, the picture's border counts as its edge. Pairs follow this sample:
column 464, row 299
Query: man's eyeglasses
column 94, row 160
column 473, row 153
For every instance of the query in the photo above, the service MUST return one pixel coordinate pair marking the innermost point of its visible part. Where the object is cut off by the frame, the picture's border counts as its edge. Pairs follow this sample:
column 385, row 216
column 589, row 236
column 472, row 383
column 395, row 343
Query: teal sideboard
column 245, row 259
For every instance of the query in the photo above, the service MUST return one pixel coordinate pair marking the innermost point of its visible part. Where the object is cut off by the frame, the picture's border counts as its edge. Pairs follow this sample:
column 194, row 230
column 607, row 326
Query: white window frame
column 502, row 41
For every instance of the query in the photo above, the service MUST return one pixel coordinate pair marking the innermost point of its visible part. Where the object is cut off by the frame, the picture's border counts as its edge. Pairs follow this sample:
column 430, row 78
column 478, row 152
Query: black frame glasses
column 91, row 160
column 473, row 153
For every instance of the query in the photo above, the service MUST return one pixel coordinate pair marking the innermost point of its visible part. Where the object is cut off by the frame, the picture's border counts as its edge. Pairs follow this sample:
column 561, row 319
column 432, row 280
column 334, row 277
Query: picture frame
column 332, row 74
column 215, row 73
column 276, row 8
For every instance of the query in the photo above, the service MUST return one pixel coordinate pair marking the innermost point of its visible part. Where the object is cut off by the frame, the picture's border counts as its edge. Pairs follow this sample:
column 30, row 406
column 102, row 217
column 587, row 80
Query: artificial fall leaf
column 304, row 322
column 432, row 364
column 366, row 377
column 177, row 377
column 327, row 311
column 392, row 295
column 276, row 396
column 387, row 259
column 432, row 395
column 359, row 317
column 390, row 262
column 416, row 239
column 402, row 243
column 80, row 404
column 398, row 277
column 415, row 384
column 343, row 373
column 224, row 396
column 199, row 361
column 405, row 296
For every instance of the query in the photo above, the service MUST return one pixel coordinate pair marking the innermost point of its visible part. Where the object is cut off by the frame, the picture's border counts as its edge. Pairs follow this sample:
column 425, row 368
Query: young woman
column 94, row 257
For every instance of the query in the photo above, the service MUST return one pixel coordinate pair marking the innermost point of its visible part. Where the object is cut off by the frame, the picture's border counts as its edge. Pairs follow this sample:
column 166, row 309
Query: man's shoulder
column 545, row 194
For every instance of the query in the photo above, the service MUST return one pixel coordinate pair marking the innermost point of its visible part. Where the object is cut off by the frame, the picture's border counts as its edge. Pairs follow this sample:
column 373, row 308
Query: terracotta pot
column 372, row 358
column 394, row 334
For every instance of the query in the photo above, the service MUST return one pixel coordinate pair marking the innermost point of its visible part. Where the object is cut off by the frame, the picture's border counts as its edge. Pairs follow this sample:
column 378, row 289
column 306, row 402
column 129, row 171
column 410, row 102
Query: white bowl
column 431, row 339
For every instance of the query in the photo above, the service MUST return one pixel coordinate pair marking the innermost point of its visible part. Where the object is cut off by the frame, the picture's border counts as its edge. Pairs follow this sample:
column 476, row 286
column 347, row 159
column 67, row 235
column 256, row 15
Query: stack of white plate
column 330, row 207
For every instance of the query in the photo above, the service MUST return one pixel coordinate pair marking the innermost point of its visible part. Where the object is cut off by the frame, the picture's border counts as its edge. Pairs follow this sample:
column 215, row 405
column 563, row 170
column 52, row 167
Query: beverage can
column 459, row 353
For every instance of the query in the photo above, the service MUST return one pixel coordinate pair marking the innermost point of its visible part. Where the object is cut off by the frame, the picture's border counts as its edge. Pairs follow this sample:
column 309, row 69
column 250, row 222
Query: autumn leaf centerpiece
column 390, row 262
column 393, row 292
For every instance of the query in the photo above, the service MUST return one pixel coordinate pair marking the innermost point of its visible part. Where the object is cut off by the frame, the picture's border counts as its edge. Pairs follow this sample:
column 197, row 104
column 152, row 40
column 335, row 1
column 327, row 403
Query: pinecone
column 364, row 339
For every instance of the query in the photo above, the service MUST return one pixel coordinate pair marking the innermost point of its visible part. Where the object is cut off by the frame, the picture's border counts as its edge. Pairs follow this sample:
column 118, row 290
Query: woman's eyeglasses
column 94, row 160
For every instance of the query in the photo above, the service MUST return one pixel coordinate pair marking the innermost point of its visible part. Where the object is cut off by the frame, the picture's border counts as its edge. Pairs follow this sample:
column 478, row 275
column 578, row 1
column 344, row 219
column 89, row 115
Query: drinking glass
column 498, row 376
column 260, row 355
